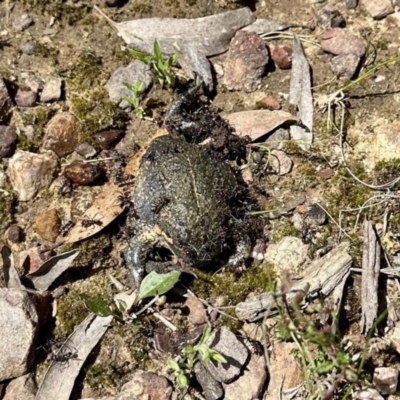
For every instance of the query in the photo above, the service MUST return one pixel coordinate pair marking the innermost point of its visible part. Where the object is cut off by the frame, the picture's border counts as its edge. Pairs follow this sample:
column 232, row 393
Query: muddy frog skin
column 181, row 198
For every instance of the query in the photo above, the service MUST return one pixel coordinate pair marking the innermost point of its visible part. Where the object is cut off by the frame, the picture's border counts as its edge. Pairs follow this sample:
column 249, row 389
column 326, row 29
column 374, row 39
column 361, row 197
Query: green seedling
column 183, row 369
column 161, row 68
column 134, row 100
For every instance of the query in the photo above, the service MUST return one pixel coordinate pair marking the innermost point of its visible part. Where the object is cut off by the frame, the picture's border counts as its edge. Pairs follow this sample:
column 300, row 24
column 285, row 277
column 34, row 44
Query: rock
column 278, row 138
column 61, row 134
column 246, row 62
column 28, row 48
column 330, row 17
column 48, row 225
column 378, row 9
column 82, row 173
column 30, row 172
column 394, row 19
column 31, row 258
column 282, row 56
column 285, row 370
column 251, row 383
column 112, row 3
column 212, row 390
column 317, row 214
column 148, row 386
column 86, row 150
column 350, row 4
column 385, row 380
column 34, row 83
column 345, row 66
column 5, row 102
column 25, row 98
column 8, row 141
column 271, row 102
column 51, row 90
column 197, row 313
column 136, row 71
column 368, row 394
column 326, row 173
column 22, row 22
column 15, row 234
column 18, row 329
column 22, row 388
column 226, row 343
column 290, row 253
column 280, row 162
column 339, row 41
column 107, row 139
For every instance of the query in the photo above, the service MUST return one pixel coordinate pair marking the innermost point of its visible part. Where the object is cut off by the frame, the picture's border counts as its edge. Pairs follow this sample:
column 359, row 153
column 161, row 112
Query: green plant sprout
column 162, row 68
column 192, row 354
column 134, row 100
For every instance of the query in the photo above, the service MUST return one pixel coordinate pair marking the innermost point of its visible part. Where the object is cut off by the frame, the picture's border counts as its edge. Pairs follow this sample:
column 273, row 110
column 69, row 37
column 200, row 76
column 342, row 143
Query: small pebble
column 317, row 214
column 271, row 103
column 5, row 102
column 345, row 66
column 51, row 91
column 34, row 83
column 82, row 173
column 280, row 162
column 28, row 48
column 351, row 4
column 326, row 173
column 47, row 225
column 340, row 41
column 15, row 234
column 330, row 17
column 107, row 139
column 282, row 56
column 8, row 141
column 197, row 313
column 86, row 150
column 22, row 22
column 25, row 98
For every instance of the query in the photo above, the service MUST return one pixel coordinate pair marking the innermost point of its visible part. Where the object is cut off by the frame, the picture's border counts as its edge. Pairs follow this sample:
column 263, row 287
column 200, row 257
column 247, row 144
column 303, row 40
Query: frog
column 181, row 198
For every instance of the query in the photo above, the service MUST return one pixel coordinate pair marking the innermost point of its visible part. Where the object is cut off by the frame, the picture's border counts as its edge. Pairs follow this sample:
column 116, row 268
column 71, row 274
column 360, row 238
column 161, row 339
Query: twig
column 167, row 323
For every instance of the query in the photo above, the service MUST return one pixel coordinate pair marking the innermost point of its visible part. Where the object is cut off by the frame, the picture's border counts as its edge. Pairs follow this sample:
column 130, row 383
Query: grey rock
column 378, row 9
column 51, row 90
column 28, row 48
column 25, row 98
column 330, row 17
column 246, row 62
column 212, row 390
column 136, row 71
column 5, row 102
column 15, row 234
column 34, row 83
column 350, row 4
column 30, row 172
column 61, row 134
column 345, row 66
column 18, row 329
column 368, row 394
column 8, row 141
column 22, row 22
column 86, row 150
column 236, row 354
column 339, row 41
column 22, row 388
column 317, row 214
column 251, row 383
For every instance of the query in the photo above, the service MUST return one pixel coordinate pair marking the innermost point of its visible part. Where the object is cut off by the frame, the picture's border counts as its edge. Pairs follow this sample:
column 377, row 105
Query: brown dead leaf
column 257, row 123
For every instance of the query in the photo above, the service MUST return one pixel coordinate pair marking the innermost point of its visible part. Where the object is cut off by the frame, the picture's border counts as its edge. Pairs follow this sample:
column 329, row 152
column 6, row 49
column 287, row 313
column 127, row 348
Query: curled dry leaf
column 257, row 123
column 59, row 380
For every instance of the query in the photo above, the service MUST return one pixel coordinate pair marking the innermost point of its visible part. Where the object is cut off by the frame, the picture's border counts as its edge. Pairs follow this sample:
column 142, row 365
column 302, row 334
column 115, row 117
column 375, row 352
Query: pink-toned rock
column 5, row 102
column 82, row 173
column 385, row 380
column 378, row 8
column 31, row 172
column 280, row 162
column 394, row 19
column 282, row 56
column 340, row 41
column 61, row 134
column 271, row 102
column 197, row 313
column 246, row 62
column 326, row 173
column 25, row 98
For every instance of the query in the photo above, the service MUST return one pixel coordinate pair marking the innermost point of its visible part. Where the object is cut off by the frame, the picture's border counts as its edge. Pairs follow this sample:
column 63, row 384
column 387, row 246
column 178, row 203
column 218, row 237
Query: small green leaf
column 147, row 59
column 188, row 350
column 97, row 306
column 182, row 381
column 173, row 365
column 218, row 357
column 156, row 284
column 206, row 334
column 157, row 51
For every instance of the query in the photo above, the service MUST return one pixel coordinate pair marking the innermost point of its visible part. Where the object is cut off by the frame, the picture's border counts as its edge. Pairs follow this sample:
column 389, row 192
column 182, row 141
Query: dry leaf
column 257, row 123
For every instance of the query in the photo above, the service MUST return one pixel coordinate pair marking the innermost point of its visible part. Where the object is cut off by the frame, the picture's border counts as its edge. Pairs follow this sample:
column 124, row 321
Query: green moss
column 6, row 201
column 386, row 171
column 47, row 51
column 94, row 249
column 89, row 100
column 282, row 229
column 142, row 8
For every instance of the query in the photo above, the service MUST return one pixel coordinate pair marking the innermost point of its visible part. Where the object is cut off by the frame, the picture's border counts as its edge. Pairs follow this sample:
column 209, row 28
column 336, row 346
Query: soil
column 72, row 42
